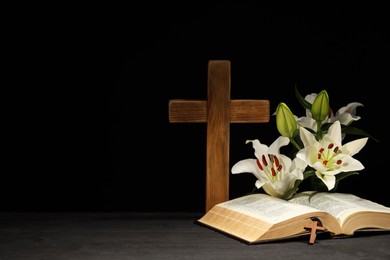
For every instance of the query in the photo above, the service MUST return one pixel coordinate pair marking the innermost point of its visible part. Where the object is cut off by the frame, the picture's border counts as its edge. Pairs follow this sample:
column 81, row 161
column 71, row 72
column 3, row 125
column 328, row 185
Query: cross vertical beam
column 218, row 112
column 218, row 133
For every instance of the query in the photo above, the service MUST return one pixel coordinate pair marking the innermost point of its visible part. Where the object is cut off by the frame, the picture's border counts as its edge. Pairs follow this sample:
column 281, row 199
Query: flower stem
column 319, row 130
column 295, row 144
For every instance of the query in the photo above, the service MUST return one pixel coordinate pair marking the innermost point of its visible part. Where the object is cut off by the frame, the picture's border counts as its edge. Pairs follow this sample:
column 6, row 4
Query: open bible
column 258, row 217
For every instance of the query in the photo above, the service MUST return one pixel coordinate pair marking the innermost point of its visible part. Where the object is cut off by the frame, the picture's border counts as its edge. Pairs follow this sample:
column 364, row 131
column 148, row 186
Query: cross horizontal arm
column 241, row 111
column 218, row 112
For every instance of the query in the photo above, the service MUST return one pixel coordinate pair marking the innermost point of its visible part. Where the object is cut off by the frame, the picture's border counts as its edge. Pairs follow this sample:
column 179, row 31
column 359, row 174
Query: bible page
column 340, row 205
column 266, row 207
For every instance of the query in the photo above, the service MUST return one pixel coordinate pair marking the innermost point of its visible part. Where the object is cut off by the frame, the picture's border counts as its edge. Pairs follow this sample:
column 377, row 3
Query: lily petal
column 279, row 142
column 246, row 165
column 334, row 134
column 328, row 180
column 354, row 146
column 307, row 138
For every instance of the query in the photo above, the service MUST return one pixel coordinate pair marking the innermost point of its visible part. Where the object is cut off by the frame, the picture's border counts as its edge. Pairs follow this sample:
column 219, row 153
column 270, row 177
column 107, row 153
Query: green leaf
column 356, row 131
column 349, row 130
column 309, row 173
column 343, row 175
column 293, row 190
column 302, row 100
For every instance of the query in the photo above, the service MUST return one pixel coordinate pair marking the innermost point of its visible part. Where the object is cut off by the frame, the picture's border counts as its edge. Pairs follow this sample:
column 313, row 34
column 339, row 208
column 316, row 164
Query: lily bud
column 320, row 106
column 285, row 121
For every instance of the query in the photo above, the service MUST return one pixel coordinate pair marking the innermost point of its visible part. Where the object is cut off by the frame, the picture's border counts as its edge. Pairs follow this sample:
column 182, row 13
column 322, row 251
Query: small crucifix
column 313, row 230
column 218, row 112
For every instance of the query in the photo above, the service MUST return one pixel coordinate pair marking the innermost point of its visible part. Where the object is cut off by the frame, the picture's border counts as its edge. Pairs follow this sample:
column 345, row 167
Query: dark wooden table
column 118, row 235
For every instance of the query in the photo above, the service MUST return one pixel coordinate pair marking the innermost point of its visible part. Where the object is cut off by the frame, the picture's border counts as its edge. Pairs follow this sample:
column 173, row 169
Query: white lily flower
column 328, row 156
column 276, row 173
column 345, row 115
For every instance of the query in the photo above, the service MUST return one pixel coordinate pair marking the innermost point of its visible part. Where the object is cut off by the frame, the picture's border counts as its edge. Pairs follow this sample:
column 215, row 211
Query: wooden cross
column 218, row 112
column 313, row 233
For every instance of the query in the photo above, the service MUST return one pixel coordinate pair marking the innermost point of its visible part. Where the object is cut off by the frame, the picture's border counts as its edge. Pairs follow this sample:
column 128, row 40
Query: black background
column 86, row 92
